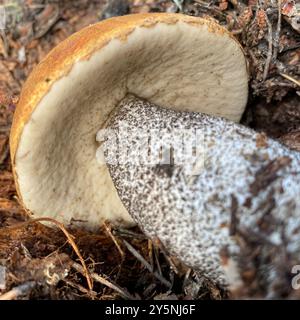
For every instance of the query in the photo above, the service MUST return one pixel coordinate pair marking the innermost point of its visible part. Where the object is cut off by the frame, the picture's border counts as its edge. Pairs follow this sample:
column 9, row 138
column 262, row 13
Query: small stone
column 115, row 8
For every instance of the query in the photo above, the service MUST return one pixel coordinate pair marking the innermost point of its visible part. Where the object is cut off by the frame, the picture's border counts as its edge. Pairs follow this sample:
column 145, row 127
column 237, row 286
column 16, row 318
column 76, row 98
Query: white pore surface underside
column 179, row 66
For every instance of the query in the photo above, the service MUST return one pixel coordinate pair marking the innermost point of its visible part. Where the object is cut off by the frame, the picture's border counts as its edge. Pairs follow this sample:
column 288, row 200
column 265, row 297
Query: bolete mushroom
column 172, row 60
column 155, row 73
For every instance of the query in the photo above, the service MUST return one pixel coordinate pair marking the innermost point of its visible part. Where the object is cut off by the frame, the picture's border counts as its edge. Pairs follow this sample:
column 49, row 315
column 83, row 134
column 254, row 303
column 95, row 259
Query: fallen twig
column 150, row 250
column 82, row 289
column 108, row 230
column 167, row 257
column 286, row 76
column 270, row 49
column 123, row 292
column 156, row 255
column 4, row 154
column 147, row 264
column 129, row 234
column 18, row 291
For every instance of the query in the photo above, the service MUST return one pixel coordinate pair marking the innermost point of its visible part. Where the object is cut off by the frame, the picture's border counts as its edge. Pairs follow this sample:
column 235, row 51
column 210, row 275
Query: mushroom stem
column 211, row 190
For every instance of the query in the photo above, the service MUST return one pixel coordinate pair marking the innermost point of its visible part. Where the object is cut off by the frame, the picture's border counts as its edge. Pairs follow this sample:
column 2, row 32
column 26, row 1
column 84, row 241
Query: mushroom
column 124, row 82
column 172, row 60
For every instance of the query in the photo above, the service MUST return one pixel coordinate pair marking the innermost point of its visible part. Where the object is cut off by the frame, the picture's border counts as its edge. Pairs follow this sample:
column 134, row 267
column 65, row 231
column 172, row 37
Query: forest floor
column 40, row 262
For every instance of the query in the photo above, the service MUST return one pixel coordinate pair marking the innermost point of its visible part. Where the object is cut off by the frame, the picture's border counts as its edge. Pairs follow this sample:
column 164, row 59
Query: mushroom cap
column 172, row 60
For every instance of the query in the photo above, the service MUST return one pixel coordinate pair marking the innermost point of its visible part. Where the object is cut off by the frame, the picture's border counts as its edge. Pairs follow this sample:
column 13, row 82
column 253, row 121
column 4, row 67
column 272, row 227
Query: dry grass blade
column 286, row 76
column 123, row 293
column 147, row 265
column 270, row 49
column 156, row 256
column 108, row 230
column 66, row 233
column 167, row 257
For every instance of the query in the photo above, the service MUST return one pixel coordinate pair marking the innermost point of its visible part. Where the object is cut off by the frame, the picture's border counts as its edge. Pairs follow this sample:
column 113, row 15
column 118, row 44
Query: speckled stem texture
column 245, row 197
